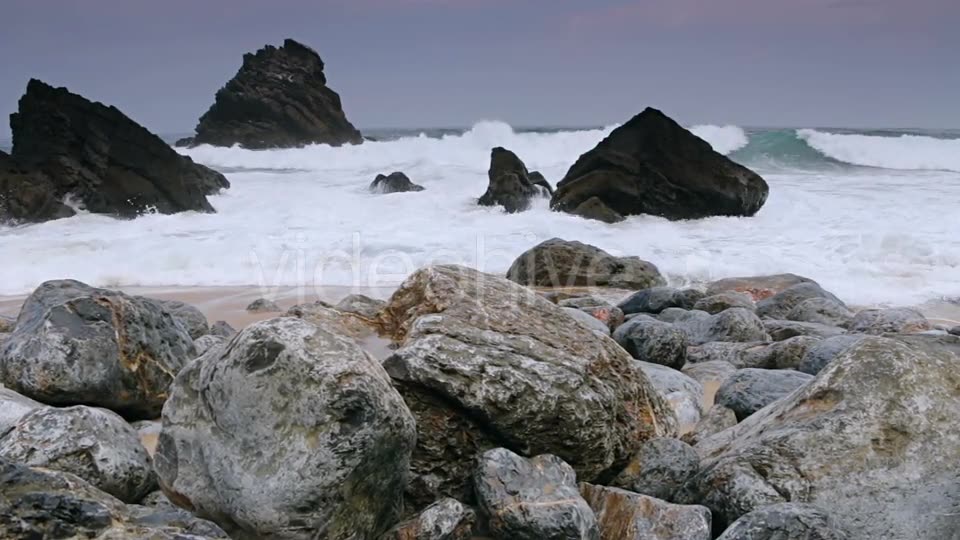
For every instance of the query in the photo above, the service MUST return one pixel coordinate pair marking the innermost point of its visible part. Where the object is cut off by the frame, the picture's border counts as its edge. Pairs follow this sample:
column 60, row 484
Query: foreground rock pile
column 758, row 408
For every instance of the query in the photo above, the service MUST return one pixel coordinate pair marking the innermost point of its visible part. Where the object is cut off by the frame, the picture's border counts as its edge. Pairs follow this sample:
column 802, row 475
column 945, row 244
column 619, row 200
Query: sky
column 451, row 63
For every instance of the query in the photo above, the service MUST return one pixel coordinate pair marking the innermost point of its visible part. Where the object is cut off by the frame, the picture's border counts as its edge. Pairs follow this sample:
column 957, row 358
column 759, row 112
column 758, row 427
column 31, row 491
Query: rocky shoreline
column 542, row 404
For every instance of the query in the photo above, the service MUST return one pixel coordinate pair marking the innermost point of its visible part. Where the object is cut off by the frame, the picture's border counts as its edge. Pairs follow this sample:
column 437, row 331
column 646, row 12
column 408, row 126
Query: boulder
column 510, row 184
column 13, row 407
column 785, row 521
column 683, row 393
column 446, row 519
column 749, row 390
column 715, row 420
column 786, row 354
column 76, row 344
column 782, row 303
column 222, row 329
column 292, row 431
column 758, row 287
column 7, row 324
column 102, row 159
column 734, row 324
column 395, row 182
column 656, row 299
column 562, row 263
column 189, row 316
column 659, row 469
column 783, row 330
column 721, row 301
column 955, row 331
column 483, row 362
column 653, row 341
column 871, row 438
column 821, row 353
column 28, row 195
column 360, row 304
column 652, row 165
column 263, row 305
column 594, row 208
column 278, row 98
column 895, row 320
column 205, row 343
column 43, row 503
column 588, row 320
column 624, row 515
column 95, row 444
column 823, row 311
column 532, row 499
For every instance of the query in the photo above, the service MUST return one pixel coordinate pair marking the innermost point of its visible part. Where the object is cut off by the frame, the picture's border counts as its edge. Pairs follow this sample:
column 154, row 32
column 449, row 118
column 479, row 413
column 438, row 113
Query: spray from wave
column 905, row 152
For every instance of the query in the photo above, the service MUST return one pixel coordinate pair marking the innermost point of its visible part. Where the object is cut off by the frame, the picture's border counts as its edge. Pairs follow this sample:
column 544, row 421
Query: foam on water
column 906, row 152
column 304, row 216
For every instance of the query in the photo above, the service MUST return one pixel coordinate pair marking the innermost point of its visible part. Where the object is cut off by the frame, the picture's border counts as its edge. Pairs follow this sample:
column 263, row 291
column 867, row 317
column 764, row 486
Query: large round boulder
column 563, row 263
column 292, row 431
column 785, row 521
column 75, row 344
column 483, row 362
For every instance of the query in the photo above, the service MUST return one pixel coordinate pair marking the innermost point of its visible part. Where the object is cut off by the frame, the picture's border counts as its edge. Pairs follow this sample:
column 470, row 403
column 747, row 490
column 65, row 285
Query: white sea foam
column 723, row 139
column 906, row 152
column 304, row 216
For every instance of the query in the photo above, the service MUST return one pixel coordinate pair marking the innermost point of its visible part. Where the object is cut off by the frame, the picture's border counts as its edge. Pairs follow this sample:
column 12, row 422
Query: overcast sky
column 434, row 63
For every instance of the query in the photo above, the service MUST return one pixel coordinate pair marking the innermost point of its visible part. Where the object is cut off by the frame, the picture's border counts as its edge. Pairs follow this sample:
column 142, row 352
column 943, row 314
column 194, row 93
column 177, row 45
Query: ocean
column 872, row 215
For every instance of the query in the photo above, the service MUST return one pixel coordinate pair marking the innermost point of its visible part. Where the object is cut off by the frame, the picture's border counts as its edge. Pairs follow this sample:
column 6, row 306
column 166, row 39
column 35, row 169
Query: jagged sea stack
column 278, row 99
column 652, row 165
column 65, row 145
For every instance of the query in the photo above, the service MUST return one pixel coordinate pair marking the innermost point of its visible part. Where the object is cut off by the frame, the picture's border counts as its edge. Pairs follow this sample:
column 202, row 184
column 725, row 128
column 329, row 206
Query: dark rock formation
column 656, row 299
column 782, row 303
column 650, row 340
column 511, row 185
column 751, row 389
column 652, row 165
column 561, row 263
column 278, row 98
column 102, row 159
column 660, row 468
column 395, row 182
column 785, row 521
column 595, row 208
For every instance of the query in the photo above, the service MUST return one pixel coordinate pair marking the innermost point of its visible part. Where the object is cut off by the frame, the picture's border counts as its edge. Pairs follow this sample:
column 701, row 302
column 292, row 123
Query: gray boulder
column 653, row 341
column 734, row 324
column 624, row 515
column 43, row 503
column 758, row 287
column 483, row 362
column 749, row 390
column 656, row 299
column 781, row 330
column 955, row 331
column 292, row 431
column 95, row 444
column 684, row 394
column 786, row 354
column 821, row 310
column 715, row 420
column 13, row 407
column 75, row 344
column 721, row 301
column 894, row 320
column 660, row 468
column 446, row 519
column 780, row 304
column 871, row 438
column 395, row 182
column 360, row 304
column 595, row 208
column 532, row 499
column 222, row 329
column 563, row 263
column 588, row 320
column 205, row 343
column 189, row 316
column 821, row 353
column 785, row 521
column 263, row 305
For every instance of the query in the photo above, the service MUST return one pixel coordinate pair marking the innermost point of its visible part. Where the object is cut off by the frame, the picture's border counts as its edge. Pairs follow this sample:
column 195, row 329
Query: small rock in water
column 262, row 305
column 360, row 304
column 223, row 329
column 95, row 444
column 785, row 521
column 749, row 390
column 446, row 519
column 624, row 515
column 510, row 184
column 719, row 302
column 532, row 498
column 595, row 208
column 653, row 341
column 895, row 321
column 659, row 469
column 395, row 182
